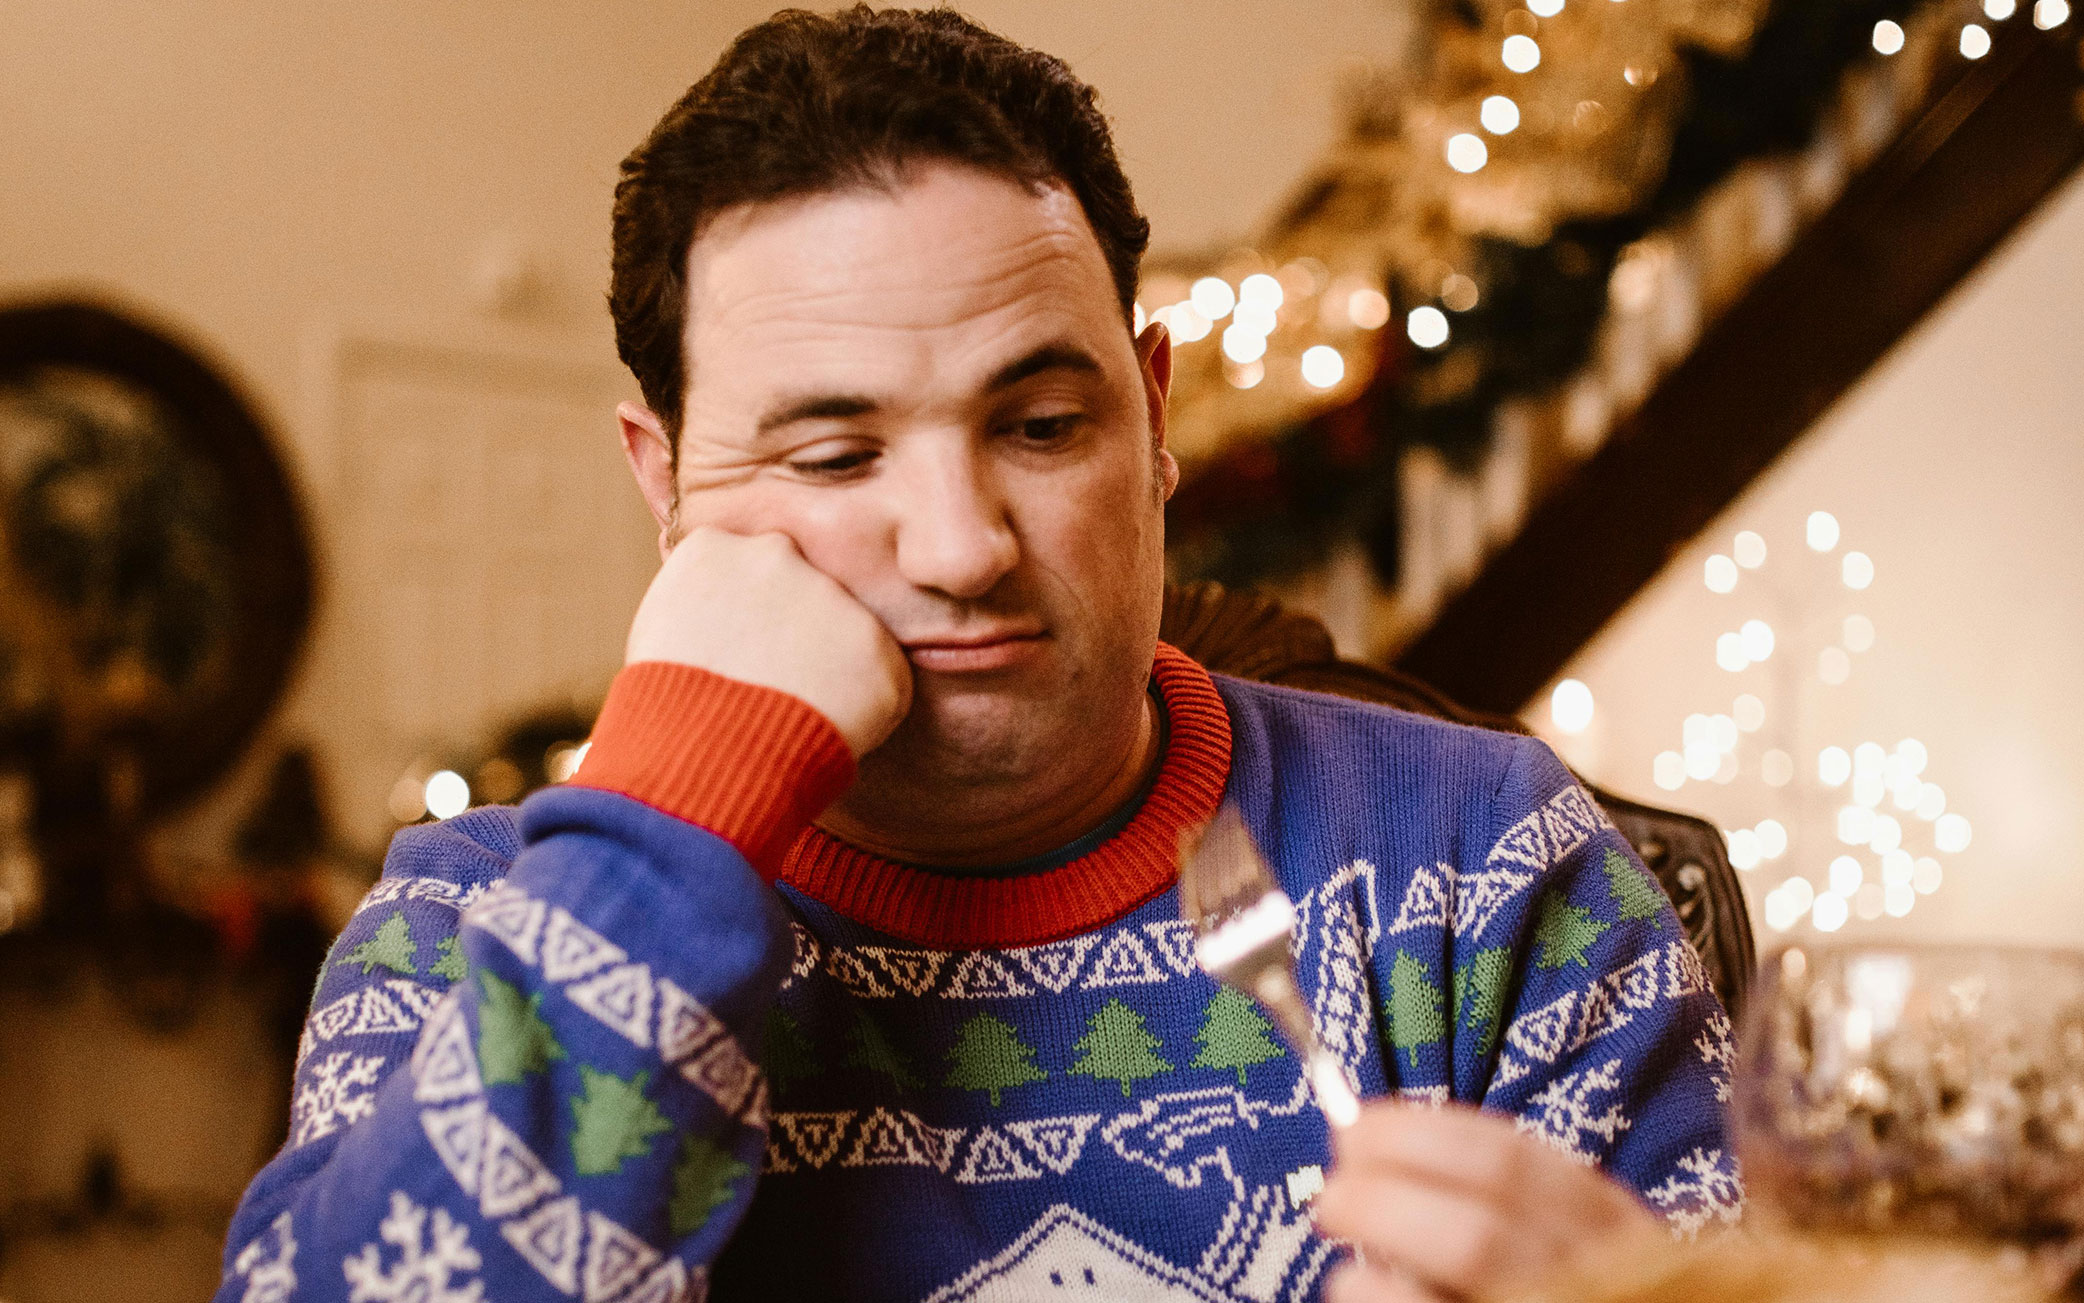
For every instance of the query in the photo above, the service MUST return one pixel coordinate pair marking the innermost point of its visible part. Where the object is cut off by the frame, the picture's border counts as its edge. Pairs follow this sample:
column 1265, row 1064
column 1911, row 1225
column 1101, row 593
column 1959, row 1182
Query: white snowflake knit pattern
column 327, row 1101
column 427, row 1263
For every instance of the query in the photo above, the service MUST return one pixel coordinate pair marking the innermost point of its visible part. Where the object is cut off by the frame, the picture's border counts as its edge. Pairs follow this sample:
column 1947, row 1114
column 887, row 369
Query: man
column 864, row 895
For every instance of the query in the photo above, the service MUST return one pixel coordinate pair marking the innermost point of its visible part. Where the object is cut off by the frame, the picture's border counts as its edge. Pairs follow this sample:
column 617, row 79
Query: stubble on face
column 902, row 305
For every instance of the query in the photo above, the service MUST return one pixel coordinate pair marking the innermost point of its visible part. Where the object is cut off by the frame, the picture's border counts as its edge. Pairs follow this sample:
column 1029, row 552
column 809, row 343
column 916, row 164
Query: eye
column 836, row 466
column 1050, row 429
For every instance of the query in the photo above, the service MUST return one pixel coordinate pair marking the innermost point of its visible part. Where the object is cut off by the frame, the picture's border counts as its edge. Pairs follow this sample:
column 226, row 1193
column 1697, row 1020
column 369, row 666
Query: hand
column 749, row 607
column 1451, row 1203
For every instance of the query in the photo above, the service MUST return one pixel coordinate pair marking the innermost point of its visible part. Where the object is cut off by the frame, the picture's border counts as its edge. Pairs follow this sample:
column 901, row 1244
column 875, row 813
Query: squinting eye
column 1044, row 429
column 840, row 465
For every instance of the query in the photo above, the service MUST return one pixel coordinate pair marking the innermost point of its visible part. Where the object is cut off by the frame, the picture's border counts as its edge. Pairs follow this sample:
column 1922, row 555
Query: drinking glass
column 1920, row 1097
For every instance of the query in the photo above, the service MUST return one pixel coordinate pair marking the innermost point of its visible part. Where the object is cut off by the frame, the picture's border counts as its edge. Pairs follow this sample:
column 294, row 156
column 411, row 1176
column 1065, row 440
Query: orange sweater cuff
column 753, row 765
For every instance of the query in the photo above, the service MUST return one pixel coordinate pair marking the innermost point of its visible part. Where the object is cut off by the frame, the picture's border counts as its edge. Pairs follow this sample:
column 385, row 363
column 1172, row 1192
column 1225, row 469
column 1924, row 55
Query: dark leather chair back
column 1250, row 636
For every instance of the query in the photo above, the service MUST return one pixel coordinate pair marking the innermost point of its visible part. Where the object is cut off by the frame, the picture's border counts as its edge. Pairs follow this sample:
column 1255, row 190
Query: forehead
column 949, row 265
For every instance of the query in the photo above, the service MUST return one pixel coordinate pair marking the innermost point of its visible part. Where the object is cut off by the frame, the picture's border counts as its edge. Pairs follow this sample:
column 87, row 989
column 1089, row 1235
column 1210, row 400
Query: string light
column 1829, row 914
column 1262, row 291
column 1857, row 570
column 447, row 794
column 1322, row 366
column 2051, row 13
column 1858, row 633
column 1368, row 308
column 1833, row 666
column 1999, row 10
column 1427, row 326
column 1243, row 344
column 1951, row 834
column 1520, row 53
column 1466, row 152
column 1212, row 297
column 1777, row 768
column 1570, row 706
column 1757, row 637
column 1821, row 531
column 1720, row 574
column 1888, row 37
column 1545, row 8
column 1975, row 41
column 1749, row 549
column 1499, row 115
column 1248, row 375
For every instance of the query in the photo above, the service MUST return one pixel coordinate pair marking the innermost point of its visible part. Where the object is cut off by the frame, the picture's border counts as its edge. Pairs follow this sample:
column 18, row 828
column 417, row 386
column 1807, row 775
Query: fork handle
column 1276, row 991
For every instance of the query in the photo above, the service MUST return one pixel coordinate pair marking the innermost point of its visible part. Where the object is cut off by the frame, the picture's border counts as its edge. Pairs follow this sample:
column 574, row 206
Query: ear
column 1154, row 353
column 650, row 455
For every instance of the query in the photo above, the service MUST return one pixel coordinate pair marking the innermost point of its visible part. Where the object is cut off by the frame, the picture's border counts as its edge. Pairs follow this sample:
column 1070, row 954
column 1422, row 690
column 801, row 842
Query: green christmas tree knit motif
column 1118, row 1047
column 513, row 1039
column 1416, row 1008
column 1564, row 931
column 452, row 964
column 1479, row 995
column 1633, row 890
column 1233, row 1035
column 702, row 1180
column 392, row 947
column 872, row 1050
column 989, row 1055
column 612, row 1121
column 789, row 1055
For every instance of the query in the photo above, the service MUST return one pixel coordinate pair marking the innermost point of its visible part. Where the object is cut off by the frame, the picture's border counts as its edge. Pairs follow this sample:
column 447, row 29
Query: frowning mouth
column 975, row 653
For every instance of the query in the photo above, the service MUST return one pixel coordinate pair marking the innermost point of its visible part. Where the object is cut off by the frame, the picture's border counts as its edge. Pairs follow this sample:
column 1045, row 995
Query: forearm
column 583, row 1103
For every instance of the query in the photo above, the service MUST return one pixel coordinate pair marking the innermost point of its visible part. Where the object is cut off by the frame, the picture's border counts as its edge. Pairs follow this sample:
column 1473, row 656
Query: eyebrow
column 839, row 407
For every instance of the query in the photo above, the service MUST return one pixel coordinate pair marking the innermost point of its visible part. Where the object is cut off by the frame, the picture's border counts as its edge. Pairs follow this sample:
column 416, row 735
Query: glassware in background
column 1920, row 1097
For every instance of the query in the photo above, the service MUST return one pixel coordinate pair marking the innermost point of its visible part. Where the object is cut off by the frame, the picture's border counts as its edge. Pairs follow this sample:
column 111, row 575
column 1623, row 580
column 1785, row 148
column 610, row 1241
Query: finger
column 1452, row 1145
column 1357, row 1282
column 1447, row 1239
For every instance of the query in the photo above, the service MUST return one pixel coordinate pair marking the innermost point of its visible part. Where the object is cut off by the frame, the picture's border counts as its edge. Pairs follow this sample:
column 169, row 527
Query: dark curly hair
column 805, row 103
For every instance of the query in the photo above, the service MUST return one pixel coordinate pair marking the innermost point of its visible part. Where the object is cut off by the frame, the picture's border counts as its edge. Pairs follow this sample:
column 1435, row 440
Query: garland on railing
column 1511, row 244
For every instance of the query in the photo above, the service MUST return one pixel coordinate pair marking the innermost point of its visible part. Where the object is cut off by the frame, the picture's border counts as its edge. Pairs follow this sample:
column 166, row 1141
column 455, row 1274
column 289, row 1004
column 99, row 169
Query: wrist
column 751, row 764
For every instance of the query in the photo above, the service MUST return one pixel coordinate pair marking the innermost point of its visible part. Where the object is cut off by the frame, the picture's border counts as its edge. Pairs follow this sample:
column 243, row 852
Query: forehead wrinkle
column 1001, row 277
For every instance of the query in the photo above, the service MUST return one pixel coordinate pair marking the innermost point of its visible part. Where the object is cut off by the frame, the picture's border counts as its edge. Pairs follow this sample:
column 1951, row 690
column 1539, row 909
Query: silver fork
column 1242, row 921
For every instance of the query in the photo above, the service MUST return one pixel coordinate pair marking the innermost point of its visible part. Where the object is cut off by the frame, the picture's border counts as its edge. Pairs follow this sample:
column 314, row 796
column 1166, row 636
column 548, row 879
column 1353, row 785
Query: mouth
column 975, row 653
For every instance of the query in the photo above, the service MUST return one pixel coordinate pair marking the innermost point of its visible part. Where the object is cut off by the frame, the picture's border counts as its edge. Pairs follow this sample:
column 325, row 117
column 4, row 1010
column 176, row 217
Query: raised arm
column 531, row 1069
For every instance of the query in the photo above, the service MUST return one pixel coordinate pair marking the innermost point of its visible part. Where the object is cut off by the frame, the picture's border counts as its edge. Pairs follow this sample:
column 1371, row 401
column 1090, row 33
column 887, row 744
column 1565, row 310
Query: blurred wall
column 1956, row 466
column 389, row 223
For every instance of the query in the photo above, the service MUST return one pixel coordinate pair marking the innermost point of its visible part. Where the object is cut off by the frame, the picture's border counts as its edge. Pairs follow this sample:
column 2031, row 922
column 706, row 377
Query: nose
column 954, row 533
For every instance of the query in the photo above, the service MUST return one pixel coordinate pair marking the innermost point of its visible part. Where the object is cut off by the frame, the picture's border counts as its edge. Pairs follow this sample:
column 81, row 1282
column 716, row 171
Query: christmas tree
column 392, row 947
column 1233, row 1035
column 989, row 1055
column 1564, row 931
column 702, row 1179
column 1479, row 994
column 1416, row 1008
column 1118, row 1047
column 612, row 1121
column 789, row 1056
column 513, row 1039
column 872, row 1050
column 1633, row 890
column 452, row 964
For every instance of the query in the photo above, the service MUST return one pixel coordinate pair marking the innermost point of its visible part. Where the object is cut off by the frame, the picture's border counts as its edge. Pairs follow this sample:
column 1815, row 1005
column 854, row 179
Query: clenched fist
column 749, row 607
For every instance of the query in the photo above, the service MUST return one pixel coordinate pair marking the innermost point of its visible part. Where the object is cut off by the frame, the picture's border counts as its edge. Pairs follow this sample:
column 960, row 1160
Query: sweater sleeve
column 543, row 1083
column 1574, row 971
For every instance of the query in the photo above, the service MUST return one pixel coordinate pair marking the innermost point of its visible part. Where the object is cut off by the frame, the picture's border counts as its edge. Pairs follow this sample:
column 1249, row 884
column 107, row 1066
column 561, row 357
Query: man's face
column 932, row 391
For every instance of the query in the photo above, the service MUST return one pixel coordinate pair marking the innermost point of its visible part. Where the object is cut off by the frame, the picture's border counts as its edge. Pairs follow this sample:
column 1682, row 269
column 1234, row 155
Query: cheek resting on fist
column 1447, row 1203
column 749, row 607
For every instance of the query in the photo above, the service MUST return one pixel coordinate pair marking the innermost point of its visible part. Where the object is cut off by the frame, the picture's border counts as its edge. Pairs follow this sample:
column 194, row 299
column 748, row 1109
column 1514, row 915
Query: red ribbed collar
column 962, row 912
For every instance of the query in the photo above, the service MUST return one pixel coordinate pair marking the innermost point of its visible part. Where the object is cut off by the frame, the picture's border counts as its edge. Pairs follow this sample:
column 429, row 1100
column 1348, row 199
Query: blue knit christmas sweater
column 652, row 1037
